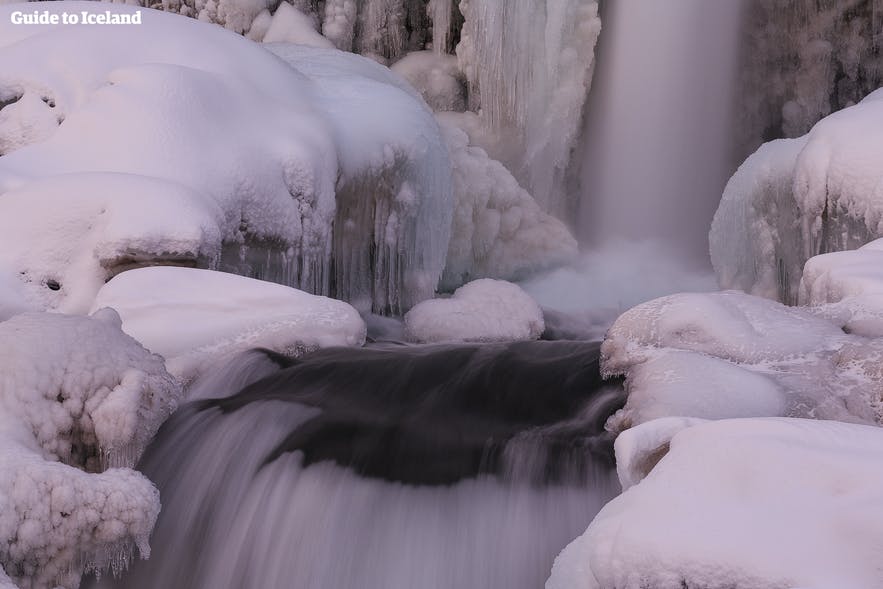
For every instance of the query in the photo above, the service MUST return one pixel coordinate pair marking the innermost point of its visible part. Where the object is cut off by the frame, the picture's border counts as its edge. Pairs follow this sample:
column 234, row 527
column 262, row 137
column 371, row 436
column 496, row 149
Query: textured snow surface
column 737, row 504
column 78, row 396
column 270, row 158
column 484, row 310
column 729, row 354
column 795, row 198
column 498, row 230
column 195, row 317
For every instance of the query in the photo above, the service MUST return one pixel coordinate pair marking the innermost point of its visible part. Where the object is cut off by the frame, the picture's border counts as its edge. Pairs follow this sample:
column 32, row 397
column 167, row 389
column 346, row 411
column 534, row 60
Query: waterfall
column 658, row 129
column 391, row 467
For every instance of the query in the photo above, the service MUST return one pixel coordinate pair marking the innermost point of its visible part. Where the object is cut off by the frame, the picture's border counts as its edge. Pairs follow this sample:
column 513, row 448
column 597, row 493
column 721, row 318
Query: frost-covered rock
column 498, row 230
column 194, row 317
column 78, row 396
column 796, row 198
column 277, row 154
column 482, row 311
column 729, row 354
column 738, row 504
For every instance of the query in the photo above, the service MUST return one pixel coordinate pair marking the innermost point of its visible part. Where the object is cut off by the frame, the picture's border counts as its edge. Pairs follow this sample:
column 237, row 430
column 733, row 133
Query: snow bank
column 77, row 397
column 278, row 155
column 744, row 503
column 289, row 25
column 498, row 230
column 796, row 198
column 194, row 317
column 729, row 354
column 482, row 311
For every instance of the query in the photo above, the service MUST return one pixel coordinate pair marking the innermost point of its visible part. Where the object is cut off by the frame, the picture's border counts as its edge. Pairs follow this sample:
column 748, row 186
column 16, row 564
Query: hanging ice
column 531, row 64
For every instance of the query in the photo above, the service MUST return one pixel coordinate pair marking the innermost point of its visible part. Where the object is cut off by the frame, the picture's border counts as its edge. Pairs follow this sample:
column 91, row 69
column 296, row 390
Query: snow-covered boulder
column 738, row 504
column 484, row 310
column 795, row 198
column 79, row 400
column 194, row 318
column 296, row 166
column 728, row 354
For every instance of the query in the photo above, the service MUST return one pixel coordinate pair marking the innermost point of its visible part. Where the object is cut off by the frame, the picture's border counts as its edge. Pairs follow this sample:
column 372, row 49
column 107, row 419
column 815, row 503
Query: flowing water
column 389, row 467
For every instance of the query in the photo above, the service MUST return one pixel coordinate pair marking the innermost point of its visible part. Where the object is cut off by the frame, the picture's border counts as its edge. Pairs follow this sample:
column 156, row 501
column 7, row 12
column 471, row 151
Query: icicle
column 440, row 13
column 531, row 64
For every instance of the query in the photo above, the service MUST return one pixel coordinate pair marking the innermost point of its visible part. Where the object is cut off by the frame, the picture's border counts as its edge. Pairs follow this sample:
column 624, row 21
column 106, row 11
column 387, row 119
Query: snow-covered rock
column 289, row 25
column 728, row 354
column 296, row 168
column 482, row 311
column 77, row 396
column 795, row 198
column 741, row 504
column 195, row 318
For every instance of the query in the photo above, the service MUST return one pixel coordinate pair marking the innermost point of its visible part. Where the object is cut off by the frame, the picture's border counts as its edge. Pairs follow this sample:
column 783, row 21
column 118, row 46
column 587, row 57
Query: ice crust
column 197, row 319
column 80, row 400
column 484, row 310
column 737, row 504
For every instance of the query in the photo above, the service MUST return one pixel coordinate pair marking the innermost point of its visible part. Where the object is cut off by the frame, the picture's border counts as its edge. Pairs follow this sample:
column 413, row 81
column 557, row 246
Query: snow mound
column 728, row 354
column 78, row 396
column 194, row 318
column 482, row 311
column 498, row 230
column 289, row 25
column 317, row 181
column 738, row 504
column 795, row 198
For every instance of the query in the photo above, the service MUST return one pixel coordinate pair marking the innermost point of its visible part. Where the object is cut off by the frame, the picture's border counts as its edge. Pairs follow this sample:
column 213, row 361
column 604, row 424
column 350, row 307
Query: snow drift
column 80, row 400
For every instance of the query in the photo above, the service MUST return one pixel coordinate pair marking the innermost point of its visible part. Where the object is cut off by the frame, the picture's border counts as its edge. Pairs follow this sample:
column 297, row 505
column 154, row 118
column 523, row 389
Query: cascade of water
column 384, row 468
column 660, row 122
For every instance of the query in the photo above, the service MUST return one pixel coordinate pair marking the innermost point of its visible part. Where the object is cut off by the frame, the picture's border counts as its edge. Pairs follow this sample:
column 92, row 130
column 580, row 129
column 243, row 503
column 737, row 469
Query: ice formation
column 742, row 503
column 196, row 318
column 795, row 198
column 530, row 65
column 498, row 230
column 729, row 354
column 80, row 400
column 484, row 310
column 436, row 77
column 298, row 152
